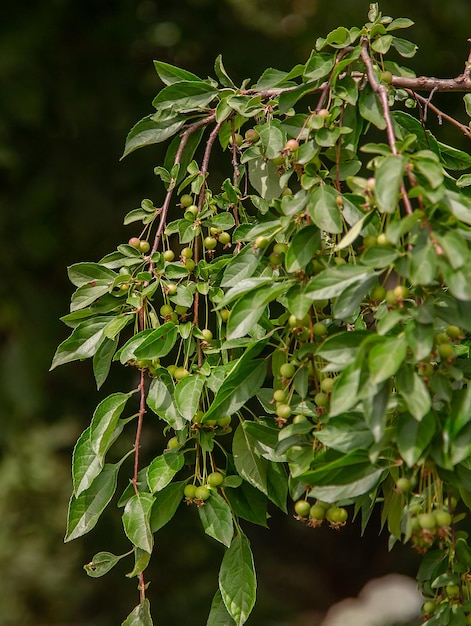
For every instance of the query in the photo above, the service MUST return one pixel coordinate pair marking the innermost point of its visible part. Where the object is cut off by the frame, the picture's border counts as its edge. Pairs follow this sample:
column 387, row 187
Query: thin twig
column 440, row 114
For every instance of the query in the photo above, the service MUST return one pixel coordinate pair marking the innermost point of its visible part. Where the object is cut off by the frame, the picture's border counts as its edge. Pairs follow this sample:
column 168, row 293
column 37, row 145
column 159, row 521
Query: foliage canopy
column 300, row 329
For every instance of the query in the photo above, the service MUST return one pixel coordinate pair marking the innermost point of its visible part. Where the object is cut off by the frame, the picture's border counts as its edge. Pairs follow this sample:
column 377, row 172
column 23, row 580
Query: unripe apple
column 169, row 255
column 134, row 242
column 291, row 145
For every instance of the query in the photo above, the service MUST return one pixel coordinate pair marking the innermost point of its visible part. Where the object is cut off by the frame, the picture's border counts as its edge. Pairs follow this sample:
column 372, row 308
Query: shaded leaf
column 166, row 503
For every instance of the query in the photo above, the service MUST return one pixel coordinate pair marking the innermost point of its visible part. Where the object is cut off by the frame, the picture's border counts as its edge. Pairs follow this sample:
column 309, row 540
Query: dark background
column 74, row 77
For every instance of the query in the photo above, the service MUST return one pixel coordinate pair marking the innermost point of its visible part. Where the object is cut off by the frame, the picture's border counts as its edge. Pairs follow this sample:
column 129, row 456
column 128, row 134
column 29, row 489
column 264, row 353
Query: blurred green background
column 75, row 76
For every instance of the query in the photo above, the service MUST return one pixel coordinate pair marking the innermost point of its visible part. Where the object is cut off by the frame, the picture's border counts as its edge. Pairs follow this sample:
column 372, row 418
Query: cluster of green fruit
column 315, row 514
column 198, row 494
column 214, row 235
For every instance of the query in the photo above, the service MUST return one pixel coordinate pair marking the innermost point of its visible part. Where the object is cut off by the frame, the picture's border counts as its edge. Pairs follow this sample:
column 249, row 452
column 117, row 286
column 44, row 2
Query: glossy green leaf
column 324, row 210
column 216, row 518
column 188, row 394
column 302, row 248
column 386, row 357
column 237, row 581
column 161, row 401
column 157, row 343
column 248, row 310
column 334, row 493
column 241, row 267
column 81, row 274
column 319, row 65
column 170, row 74
column 105, row 421
column 345, row 434
column 148, row 131
column 85, row 509
column 86, row 463
column 102, row 360
column 89, row 293
column 273, row 138
column 370, row 108
column 344, row 395
column 82, row 344
column 136, row 521
column 218, row 615
column 140, row 616
column 342, row 348
column 252, row 467
column 414, row 391
column 277, row 483
column 388, row 178
column 332, row 281
column 241, row 384
column 185, row 96
column 413, row 437
column 163, row 468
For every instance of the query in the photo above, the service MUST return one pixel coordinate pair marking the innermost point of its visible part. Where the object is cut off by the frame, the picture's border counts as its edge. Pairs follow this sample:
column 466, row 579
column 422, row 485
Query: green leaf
column 218, row 615
column 140, row 616
column 334, row 493
column 273, row 138
column 101, row 563
column 342, row 348
column 163, row 468
column 184, row 97
column 388, row 179
column 413, row 437
column 370, row 108
column 248, row 503
column 324, row 210
column 141, row 561
column 85, row 509
column 81, row 274
column 158, row 342
column 241, row 384
column 344, row 395
column 170, row 74
column 82, row 344
column 345, row 434
column 136, row 520
column 319, row 65
column 405, row 48
column 277, row 485
column 105, row 421
column 252, row 467
column 86, row 464
column 216, row 518
column 102, row 360
column 148, row 132
column 263, row 176
column 166, row 503
column 332, row 281
column 302, row 248
column 237, row 581
column 188, row 394
column 248, row 310
column 459, row 205
column 161, row 401
column 414, row 391
column 386, row 357
column 87, row 294
column 241, row 267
